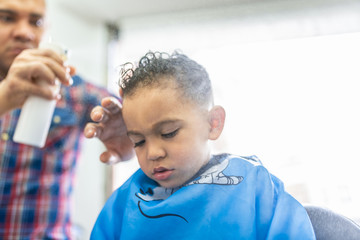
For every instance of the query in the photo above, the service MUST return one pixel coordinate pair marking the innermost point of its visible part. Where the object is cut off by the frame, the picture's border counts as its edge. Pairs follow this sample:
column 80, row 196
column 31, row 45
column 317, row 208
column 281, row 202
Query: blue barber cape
column 231, row 198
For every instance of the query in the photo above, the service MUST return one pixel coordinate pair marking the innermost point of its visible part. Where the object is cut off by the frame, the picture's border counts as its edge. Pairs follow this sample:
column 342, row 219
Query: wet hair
column 155, row 68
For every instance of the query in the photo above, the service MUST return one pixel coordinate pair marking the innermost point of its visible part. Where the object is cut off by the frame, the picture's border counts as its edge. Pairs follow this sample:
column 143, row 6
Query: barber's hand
column 30, row 66
column 111, row 130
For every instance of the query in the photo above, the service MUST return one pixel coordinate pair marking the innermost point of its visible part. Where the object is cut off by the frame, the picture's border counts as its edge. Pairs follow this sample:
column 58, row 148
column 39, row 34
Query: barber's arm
column 27, row 68
column 110, row 128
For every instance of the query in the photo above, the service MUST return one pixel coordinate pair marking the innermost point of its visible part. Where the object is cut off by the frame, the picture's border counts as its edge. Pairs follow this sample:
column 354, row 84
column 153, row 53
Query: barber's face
column 21, row 27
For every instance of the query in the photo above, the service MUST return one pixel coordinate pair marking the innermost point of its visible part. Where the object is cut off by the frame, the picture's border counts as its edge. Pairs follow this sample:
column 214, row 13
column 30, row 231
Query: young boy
column 182, row 191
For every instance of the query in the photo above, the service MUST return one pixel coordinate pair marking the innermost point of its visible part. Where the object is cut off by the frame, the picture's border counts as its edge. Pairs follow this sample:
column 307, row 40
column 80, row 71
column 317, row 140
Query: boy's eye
column 139, row 143
column 170, row 134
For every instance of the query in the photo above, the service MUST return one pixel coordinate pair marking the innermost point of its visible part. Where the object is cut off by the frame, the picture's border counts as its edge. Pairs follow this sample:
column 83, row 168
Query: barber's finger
column 61, row 60
column 112, row 104
column 109, row 158
column 40, row 72
column 45, row 69
column 44, row 91
column 39, row 80
column 71, row 70
column 55, row 54
column 44, row 52
column 61, row 72
column 99, row 114
column 55, row 62
column 92, row 130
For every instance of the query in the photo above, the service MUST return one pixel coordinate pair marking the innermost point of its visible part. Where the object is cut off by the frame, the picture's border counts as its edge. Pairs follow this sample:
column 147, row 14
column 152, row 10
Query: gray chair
column 329, row 225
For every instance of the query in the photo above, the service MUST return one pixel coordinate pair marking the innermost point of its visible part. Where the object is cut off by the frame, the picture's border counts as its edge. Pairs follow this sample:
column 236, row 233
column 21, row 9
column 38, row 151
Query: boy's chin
column 170, row 185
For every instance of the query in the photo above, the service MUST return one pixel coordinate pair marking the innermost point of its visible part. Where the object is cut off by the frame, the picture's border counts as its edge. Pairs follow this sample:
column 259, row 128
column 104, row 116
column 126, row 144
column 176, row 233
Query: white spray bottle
column 36, row 114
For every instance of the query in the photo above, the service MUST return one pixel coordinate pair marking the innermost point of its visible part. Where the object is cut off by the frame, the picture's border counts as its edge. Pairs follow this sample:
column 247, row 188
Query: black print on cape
column 214, row 175
column 160, row 215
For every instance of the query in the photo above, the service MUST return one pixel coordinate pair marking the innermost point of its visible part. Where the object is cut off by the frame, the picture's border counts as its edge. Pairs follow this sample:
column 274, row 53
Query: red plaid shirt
column 36, row 183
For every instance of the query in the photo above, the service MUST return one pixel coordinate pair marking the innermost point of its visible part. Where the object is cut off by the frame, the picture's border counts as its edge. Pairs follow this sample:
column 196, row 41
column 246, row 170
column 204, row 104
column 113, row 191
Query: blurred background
column 286, row 71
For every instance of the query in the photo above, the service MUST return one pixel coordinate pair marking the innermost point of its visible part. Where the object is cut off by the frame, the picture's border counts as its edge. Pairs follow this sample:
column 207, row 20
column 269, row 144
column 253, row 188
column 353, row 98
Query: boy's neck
column 214, row 160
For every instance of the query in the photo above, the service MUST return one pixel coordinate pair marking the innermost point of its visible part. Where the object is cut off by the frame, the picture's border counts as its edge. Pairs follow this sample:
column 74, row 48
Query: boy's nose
column 155, row 151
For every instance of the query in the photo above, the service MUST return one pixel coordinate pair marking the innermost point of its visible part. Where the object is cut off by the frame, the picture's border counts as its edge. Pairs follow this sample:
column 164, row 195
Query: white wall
column 86, row 40
column 194, row 31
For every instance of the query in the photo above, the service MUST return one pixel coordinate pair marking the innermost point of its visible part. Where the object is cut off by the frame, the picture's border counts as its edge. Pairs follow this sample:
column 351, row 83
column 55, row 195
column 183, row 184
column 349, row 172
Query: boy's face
column 170, row 135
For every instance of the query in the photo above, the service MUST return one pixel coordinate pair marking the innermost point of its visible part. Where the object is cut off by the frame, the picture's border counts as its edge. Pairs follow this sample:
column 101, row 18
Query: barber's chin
column 13, row 54
column 17, row 49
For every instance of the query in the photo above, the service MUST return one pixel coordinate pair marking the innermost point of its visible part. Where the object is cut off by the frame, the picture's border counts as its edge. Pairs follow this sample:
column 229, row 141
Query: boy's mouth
column 162, row 173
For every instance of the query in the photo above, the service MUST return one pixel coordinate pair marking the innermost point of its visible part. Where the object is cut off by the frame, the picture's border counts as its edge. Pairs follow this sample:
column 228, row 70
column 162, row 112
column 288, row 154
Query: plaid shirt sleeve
column 36, row 183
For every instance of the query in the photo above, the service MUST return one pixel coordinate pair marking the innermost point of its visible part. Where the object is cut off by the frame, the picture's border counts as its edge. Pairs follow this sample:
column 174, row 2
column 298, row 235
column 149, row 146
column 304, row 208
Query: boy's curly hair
column 155, row 67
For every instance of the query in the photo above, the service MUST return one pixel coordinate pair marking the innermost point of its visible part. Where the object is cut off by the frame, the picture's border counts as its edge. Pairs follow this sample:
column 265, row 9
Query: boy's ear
column 216, row 121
